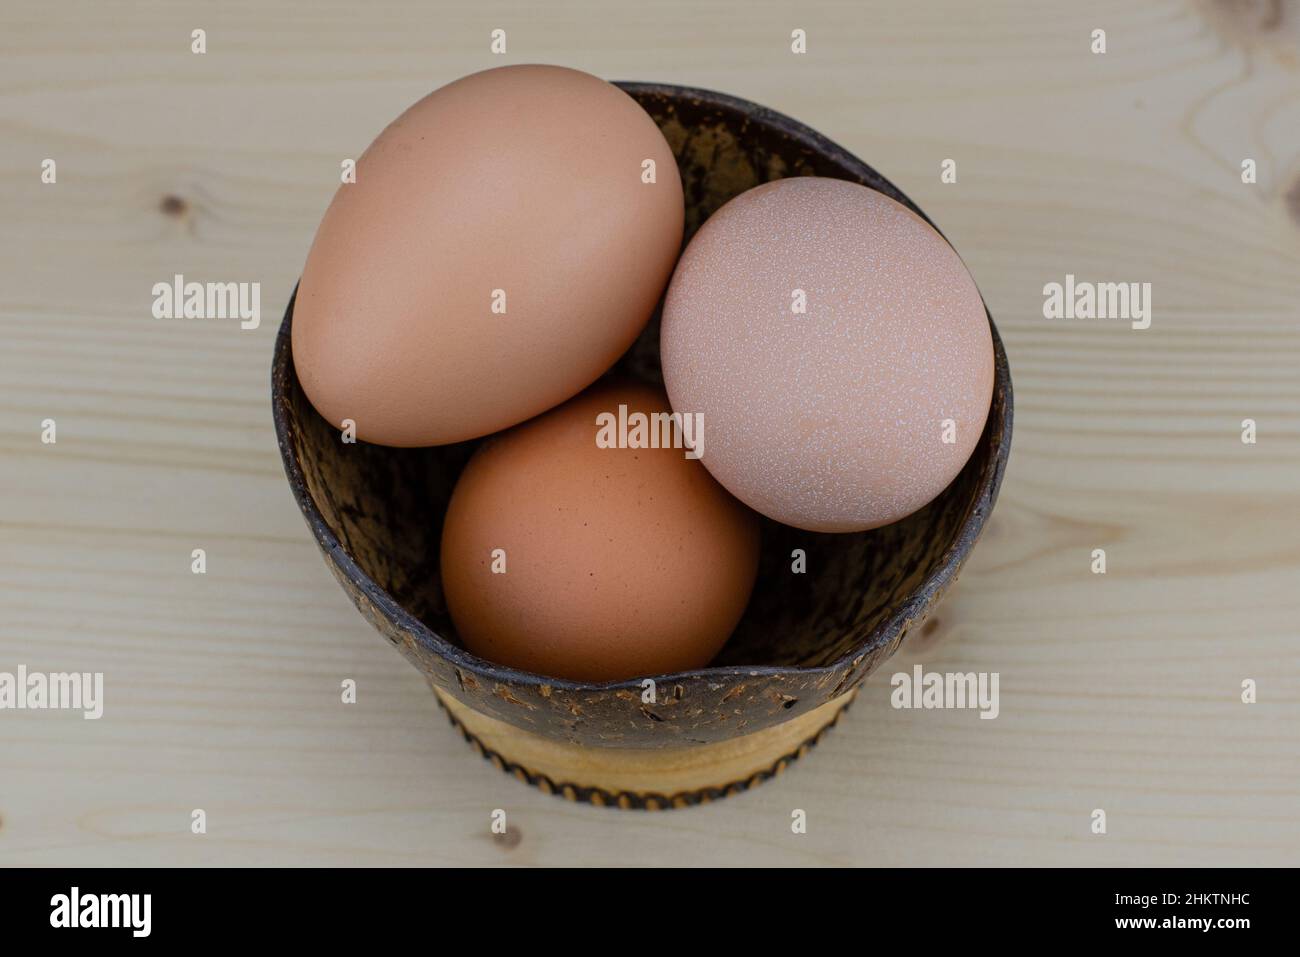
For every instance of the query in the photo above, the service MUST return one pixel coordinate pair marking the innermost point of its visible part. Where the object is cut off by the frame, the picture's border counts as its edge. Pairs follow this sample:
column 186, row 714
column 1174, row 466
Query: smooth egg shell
column 618, row 562
column 523, row 179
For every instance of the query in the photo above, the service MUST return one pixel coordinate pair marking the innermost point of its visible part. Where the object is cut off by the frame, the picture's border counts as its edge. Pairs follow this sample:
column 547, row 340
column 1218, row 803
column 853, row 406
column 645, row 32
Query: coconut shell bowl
column 806, row 641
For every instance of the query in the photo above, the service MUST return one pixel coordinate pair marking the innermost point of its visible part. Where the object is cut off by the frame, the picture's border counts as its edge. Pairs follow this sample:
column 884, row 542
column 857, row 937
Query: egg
column 592, row 560
column 837, row 349
column 505, row 240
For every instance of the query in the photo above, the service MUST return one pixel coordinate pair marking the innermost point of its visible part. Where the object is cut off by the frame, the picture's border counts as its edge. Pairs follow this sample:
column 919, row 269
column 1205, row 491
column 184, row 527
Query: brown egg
column 567, row 559
column 499, row 250
column 837, row 348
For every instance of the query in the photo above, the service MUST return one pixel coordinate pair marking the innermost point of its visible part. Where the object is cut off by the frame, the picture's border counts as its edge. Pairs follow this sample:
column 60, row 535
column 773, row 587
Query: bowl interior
column 385, row 506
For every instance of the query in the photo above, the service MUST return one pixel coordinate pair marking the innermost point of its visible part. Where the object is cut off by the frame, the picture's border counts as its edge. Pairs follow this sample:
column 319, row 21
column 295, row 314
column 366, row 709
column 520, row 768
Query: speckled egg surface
column 838, row 350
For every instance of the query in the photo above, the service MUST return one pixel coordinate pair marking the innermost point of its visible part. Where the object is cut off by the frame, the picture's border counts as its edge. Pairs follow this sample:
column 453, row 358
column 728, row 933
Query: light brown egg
column 499, row 250
column 837, row 349
column 567, row 559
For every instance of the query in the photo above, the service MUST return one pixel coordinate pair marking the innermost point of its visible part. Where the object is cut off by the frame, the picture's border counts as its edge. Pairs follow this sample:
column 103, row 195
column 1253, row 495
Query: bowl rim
column 431, row 641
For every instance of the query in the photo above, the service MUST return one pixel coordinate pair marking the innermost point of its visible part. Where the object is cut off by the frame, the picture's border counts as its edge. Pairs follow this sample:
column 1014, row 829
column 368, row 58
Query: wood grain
column 222, row 691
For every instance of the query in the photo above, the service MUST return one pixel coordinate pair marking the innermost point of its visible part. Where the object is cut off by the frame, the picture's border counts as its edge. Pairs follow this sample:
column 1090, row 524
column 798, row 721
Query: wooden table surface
column 1119, row 691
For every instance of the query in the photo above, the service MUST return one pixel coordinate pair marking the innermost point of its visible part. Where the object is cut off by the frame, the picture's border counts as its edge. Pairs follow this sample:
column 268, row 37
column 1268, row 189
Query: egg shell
column 521, row 190
column 837, row 348
column 618, row 562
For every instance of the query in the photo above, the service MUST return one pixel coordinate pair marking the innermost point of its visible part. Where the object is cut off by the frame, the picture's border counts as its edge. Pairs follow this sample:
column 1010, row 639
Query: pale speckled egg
column 837, row 348
column 501, row 247
column 569, row 559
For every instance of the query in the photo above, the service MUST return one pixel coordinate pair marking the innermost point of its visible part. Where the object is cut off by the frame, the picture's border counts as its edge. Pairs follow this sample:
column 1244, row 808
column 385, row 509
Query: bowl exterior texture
column 805, row 639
